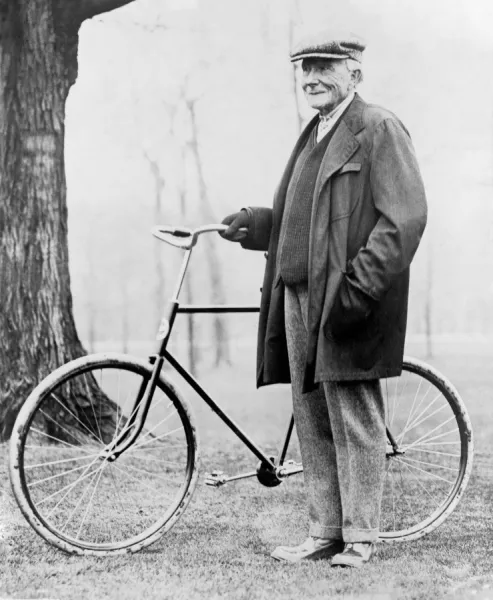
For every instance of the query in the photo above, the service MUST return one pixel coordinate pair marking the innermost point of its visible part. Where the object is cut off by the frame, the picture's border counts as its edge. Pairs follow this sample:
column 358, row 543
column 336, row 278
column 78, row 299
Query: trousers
column 342, row 436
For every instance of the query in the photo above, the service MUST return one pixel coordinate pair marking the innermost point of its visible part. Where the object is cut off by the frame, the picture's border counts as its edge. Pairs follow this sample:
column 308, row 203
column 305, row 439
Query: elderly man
column 347, row 219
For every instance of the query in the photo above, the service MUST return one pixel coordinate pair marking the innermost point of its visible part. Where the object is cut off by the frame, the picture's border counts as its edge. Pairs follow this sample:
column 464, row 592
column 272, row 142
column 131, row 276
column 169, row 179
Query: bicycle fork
column 146, row 391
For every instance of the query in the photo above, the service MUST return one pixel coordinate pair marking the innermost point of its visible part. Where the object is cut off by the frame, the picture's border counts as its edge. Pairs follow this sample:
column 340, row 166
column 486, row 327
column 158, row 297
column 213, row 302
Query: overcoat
column 368, row 215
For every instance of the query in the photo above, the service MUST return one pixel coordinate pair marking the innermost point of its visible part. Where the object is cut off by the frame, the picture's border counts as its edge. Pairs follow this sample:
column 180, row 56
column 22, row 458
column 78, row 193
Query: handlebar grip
column 181, row 233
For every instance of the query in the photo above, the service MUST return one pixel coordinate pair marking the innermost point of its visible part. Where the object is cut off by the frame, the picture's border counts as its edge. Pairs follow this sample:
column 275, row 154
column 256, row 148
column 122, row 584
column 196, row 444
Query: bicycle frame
column 144, row 396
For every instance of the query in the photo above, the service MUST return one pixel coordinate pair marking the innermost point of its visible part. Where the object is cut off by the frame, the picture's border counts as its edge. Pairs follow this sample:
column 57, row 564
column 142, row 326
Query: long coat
column 368, row 215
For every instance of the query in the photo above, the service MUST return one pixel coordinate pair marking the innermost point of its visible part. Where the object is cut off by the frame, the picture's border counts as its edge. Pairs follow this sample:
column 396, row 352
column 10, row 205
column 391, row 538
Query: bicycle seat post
column 171, row 309
column 181, row 276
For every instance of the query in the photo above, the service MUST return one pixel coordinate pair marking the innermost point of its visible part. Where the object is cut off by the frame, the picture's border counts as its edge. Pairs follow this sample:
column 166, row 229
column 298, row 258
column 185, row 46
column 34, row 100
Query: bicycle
column 81, row 488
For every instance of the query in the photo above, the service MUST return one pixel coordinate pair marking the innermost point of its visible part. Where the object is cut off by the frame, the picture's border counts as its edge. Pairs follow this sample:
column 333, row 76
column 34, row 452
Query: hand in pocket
column 352, row 308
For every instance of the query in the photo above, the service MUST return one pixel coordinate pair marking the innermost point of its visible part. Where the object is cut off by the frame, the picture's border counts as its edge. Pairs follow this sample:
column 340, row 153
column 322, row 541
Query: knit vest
column 292, row 262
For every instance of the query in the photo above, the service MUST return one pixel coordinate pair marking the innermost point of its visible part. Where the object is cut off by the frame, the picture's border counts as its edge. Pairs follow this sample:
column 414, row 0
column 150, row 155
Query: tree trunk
column 294, row 15
column 159, row 184
column 429, row 300
column 192, row 350
column 221, row 353
column 38, row 64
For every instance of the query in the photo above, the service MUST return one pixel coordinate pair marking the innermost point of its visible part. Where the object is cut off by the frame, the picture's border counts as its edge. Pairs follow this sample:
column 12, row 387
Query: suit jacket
column 368, row 215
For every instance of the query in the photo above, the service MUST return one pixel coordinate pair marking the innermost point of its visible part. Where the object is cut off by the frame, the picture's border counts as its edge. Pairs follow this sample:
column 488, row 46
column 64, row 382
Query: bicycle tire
column 400, row 526
column 116, row 517
column 448, row 470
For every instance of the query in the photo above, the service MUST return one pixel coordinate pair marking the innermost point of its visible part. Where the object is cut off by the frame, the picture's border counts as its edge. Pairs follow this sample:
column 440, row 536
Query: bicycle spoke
column 419, row 449
column 425, row 472
column 63, row 474
column 428, row 464
column 57, row 462
column 53, row 448
column 413, row 474
column 149, row 432
column 69, row 488
column 413, row 404
column 81, row 499
column 406, row 495
column 117, row 489
column 435, row 437
column 158, row 460
column 90, row 501
column 35, row 429
column 168, row 433
column 458, row 443
column 397, row 403
column 414, row 408
column 73, row 415
column 145, row 484
column 420, row 419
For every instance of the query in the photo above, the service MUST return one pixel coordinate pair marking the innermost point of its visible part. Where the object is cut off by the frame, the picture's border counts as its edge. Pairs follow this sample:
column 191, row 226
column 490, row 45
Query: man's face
column 326, row 82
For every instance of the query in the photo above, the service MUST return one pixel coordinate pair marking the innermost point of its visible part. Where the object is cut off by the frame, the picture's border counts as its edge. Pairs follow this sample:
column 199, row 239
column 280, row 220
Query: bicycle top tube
column 183, row 237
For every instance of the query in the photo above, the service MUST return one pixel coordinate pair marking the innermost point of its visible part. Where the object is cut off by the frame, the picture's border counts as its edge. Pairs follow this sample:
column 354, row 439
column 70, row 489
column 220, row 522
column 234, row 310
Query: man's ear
column 356, row 76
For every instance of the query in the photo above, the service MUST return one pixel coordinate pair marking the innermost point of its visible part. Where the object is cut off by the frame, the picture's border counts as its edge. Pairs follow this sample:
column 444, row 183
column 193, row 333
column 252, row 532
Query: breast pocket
column 345, row 191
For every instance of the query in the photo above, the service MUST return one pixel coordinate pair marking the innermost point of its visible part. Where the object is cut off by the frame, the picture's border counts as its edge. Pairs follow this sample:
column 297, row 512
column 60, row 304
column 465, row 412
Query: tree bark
column 38, row 65
column 429, row 300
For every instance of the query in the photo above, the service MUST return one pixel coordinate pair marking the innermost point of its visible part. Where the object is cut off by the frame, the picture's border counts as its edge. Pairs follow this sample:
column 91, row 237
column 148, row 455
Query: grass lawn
column 220, row 548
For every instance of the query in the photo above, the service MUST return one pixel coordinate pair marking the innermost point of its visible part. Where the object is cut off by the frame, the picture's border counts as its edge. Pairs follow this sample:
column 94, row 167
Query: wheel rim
column 427, row 420
column 74, row 490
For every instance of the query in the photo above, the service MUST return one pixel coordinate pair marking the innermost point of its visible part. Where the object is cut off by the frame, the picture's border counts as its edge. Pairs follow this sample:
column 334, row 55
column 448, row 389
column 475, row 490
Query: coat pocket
column 346, row 188
column 351, row 313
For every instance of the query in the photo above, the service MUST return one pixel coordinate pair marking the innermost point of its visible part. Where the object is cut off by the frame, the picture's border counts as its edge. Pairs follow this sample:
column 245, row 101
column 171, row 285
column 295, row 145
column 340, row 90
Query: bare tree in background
column 38, row 65
column 294, row 17
column 159, row 185
column 192, row 349
column 220, row 337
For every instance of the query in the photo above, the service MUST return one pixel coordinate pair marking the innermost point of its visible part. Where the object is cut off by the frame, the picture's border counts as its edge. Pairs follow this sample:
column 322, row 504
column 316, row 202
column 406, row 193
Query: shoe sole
column 323, row 553
column 351, row 563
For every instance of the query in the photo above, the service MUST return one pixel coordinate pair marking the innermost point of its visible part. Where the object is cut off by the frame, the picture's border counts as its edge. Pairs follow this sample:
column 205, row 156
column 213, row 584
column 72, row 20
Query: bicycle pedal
column 216, row 478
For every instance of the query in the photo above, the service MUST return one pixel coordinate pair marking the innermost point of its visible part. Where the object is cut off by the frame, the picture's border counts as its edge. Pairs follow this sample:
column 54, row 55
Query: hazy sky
column 429, row 61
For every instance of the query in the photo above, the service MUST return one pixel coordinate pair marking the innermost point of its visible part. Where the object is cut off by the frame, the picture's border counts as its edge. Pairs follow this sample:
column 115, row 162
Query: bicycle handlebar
column 187, row 238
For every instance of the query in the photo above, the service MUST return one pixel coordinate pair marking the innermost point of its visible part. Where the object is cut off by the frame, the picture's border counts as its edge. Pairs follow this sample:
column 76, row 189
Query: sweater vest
column 292, row 257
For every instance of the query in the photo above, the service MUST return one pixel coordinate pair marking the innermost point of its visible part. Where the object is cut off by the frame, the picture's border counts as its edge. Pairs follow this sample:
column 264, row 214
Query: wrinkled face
column 326, row 82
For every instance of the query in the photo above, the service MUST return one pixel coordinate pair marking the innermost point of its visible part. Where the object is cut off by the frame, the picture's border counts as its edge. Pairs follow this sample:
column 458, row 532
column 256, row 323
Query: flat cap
column 327, row 44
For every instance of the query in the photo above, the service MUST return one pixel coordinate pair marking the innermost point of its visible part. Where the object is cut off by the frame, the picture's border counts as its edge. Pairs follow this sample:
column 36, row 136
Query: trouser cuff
column 360, row 535
column 329, row 533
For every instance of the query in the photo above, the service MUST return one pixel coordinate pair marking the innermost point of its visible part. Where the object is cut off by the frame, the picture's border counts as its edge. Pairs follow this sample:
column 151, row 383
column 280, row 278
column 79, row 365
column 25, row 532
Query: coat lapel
column 342, row 145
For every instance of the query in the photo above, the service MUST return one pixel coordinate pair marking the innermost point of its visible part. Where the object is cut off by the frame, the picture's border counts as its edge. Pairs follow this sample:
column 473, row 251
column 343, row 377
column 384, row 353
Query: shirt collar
column 339, row 109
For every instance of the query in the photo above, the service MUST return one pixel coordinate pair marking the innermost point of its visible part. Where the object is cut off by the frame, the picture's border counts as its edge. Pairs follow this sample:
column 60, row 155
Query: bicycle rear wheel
column 428, row 470
column 65, row 483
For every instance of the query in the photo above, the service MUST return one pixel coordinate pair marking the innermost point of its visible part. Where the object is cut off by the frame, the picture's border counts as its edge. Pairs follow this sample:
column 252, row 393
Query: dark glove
column 235, row 221
column 351, row 309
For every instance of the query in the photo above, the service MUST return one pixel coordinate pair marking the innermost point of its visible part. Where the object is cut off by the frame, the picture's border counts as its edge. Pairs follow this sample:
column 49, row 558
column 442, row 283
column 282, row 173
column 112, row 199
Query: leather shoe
column 312, row 548
column 354, row 555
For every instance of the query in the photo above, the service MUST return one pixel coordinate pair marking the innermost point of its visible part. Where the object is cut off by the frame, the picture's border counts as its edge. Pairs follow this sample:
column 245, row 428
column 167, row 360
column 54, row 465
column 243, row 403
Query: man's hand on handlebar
column 235, row 222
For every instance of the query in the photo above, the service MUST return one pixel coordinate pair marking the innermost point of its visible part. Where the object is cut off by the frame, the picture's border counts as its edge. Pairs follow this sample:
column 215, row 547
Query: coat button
column 261, row 290
column 266, row 255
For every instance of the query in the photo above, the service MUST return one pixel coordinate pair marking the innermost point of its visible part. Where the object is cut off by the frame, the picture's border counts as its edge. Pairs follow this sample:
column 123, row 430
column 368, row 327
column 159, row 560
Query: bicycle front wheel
column 429, row 462
column 68, row 487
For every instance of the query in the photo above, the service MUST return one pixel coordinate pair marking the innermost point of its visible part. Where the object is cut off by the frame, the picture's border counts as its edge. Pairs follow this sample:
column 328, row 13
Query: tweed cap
column 327, row 44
